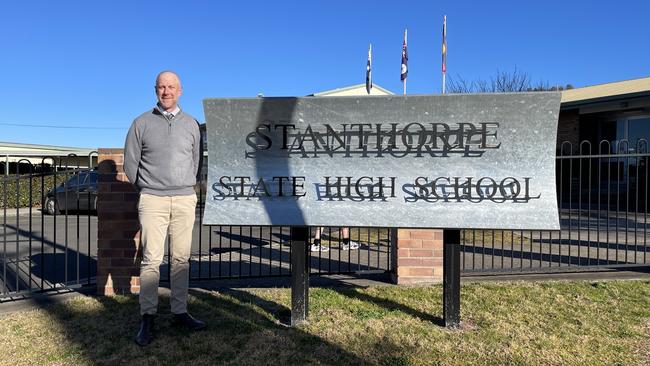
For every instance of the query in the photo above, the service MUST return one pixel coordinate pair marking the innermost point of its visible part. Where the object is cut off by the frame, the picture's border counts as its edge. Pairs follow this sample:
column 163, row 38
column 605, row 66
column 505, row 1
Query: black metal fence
column 49, row 236
column 602, row 195
column 225, row 252
column 44, row 251
column 603, row 200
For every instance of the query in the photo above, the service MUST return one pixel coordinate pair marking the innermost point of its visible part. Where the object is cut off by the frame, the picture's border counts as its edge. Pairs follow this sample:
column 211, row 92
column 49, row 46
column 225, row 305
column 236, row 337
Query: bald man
column 162, row 157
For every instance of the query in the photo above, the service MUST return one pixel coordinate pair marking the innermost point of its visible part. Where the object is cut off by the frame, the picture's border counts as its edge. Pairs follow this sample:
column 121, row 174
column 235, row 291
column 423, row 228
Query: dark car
column 79, row 192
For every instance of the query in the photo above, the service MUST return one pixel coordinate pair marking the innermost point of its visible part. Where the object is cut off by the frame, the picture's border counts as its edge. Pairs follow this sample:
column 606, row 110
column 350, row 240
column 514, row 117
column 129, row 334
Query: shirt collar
column 173, row 113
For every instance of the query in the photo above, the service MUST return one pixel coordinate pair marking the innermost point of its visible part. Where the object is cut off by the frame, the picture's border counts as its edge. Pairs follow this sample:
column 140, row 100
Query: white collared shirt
column 172, row 114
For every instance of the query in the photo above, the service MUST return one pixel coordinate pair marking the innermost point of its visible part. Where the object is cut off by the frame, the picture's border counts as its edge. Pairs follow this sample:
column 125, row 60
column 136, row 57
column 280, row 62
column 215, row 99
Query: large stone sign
column 434, row 161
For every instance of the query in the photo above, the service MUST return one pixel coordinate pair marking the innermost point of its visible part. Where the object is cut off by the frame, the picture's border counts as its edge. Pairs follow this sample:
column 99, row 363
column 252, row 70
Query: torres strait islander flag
column 369, row 70
column 405, row 60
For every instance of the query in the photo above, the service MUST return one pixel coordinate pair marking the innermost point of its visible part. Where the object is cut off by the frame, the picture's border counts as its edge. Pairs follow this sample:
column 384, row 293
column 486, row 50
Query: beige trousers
column 158, row 215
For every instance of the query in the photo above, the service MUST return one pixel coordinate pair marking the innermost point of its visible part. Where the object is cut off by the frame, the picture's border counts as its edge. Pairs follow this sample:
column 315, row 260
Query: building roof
column 20, row 149
column 608, row 91
column 356, row 90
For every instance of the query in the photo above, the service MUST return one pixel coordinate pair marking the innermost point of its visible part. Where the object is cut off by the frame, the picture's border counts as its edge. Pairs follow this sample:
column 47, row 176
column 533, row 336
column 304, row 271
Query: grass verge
column 566, row 323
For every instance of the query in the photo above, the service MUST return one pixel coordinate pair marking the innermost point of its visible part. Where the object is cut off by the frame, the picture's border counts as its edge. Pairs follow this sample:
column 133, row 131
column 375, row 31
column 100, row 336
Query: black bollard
column 451, row 278
column 299, row 275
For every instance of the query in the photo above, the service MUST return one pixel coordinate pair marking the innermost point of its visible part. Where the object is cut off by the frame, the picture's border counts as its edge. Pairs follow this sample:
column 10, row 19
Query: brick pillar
column 418, row 256
column 118, row 235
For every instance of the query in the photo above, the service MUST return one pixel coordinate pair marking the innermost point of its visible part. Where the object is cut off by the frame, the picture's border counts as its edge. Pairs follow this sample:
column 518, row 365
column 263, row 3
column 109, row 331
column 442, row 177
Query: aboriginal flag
column 444, row 45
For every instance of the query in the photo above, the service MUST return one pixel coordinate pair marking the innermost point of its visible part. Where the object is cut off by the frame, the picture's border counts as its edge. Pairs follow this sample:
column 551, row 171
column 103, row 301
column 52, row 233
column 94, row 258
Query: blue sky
column 92, row 64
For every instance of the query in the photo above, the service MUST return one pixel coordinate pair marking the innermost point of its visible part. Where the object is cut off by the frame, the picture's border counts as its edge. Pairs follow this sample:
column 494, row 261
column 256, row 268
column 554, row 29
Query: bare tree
column 503, row 82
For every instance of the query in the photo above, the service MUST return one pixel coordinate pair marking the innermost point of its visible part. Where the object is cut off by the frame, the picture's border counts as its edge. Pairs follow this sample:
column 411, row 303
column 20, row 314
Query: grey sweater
column 162, row 157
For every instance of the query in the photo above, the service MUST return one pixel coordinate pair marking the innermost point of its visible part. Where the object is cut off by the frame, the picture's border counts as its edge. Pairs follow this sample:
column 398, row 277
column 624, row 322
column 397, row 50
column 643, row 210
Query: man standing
column 162, row 157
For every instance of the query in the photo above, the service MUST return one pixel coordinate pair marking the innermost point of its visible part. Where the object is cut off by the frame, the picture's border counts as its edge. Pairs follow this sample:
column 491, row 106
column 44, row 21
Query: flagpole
column 405, row 43
column 443, row 83
column 444, row 53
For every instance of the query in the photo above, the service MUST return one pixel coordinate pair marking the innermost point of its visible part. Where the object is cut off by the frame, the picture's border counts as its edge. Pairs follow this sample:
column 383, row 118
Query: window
column 638, row 133
column 75, row 180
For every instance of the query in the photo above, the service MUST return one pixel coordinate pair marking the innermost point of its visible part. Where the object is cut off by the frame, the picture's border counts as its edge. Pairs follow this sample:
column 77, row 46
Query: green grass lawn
column 561, row 323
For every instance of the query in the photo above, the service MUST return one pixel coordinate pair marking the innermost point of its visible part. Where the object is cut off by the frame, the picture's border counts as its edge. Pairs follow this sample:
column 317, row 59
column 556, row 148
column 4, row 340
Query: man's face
column 168, row 89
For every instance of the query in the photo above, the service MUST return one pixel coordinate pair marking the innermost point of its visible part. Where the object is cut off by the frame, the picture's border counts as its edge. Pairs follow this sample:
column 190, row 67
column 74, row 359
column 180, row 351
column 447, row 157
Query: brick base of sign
column 418, row 256
column 118, row 229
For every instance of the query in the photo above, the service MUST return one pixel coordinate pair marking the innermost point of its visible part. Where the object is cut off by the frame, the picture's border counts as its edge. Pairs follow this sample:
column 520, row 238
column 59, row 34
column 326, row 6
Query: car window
column 76, row 180
column 73, row 181
column 83, row 178
column 93, row 178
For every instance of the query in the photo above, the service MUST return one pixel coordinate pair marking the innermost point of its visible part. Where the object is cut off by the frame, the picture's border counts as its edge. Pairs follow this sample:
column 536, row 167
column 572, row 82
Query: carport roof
column 20, row 149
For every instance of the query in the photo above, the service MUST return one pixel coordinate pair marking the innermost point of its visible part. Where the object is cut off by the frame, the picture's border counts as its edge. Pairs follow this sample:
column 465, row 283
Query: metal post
column 299, row 275
column 444, row 83
column 451, row 278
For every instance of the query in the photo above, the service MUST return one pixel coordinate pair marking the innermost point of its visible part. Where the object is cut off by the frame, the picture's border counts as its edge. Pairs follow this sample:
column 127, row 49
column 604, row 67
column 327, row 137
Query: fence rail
column 603, row 202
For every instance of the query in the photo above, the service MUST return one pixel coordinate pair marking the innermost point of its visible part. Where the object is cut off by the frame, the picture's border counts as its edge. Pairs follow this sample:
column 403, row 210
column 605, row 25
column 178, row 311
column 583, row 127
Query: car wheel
column 51, row 207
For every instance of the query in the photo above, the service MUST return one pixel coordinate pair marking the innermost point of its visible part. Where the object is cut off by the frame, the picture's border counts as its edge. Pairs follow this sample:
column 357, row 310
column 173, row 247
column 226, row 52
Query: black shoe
column 188, row 321
column 145, row 335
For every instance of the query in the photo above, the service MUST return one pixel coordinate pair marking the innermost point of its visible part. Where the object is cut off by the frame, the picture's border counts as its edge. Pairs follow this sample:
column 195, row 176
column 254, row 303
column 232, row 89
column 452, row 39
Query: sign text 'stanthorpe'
column 462, row 161
column 366, row 139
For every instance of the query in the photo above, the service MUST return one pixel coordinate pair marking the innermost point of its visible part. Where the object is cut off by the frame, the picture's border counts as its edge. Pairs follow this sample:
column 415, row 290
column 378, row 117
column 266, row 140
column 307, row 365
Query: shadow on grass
column 242, row 329
column 389, row 305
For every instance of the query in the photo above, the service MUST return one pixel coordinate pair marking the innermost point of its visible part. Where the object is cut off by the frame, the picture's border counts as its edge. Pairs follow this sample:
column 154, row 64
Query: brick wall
column 418, row 256
column 118, row 244
column 568, row 129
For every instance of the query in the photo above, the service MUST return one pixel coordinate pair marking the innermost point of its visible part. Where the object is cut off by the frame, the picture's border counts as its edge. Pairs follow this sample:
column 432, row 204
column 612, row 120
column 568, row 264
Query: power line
column 63, row 127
